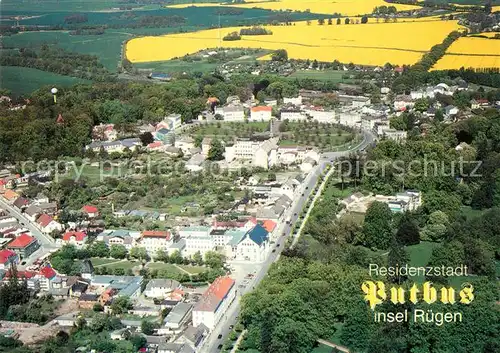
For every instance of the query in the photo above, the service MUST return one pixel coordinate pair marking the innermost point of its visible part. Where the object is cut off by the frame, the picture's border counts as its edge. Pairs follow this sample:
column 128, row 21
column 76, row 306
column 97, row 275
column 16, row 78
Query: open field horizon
column 398, row 43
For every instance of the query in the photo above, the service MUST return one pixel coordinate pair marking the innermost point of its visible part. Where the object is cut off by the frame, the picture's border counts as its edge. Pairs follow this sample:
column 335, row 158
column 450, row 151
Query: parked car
column 219, row 347
column 219, row 337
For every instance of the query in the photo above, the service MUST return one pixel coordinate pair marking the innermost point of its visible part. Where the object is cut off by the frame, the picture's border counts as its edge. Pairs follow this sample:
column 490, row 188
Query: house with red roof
column 90, row 211
column 77, row 239
column 154, row 240
column 269, row 225
column 47, row 224
column 28, row 276
column 7, row 257
column 10, row 196
column 261, row 113
column 24, row 245
column 214, row 302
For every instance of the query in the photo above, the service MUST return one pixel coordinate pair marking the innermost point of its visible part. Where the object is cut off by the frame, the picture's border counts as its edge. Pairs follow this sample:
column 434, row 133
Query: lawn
column 178, row 66
column 420, row 255
column 125, row 264
column 99, row 261
column 226, row 131
column 193, row 269
column 94, row 173
column 325, row 75
column 21, row 80
column 325, row 136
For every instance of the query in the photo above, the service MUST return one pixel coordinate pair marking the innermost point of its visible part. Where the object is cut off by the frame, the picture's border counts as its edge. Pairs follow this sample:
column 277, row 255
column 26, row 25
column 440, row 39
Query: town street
column 283, row 230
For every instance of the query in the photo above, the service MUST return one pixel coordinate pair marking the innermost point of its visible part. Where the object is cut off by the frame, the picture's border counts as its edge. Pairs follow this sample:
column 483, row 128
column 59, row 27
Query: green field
column 20, row 80
column 192, row 269
column 59, row 5
column 325, row 75
column 227, row 130
column 98, row 261
column 125, row 264
column 420, row 255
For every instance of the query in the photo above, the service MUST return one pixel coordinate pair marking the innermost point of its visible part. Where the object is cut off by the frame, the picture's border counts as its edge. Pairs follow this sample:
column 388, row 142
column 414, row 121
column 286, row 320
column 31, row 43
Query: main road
column 44, row 239
column 223, row 328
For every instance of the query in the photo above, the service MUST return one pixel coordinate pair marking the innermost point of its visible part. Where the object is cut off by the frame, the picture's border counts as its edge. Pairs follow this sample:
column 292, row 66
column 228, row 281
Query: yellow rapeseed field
column 471, row 52
column 366, row 44
column 345, row 7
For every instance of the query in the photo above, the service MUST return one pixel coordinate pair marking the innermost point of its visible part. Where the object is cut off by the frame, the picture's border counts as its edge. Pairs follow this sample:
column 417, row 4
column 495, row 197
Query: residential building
column 10, row 196
column 319, row 114
column 201, row 243
column 32, row 212
column 119, row 237
column 49, row 208
column 214, row 302
column 21, row 203
column 24, row 245
column 354, row 101
column 261, row 113
column 160, row 288
column 114, row 146
column 174, row 121
column 47, row 224
column 293, row 100
column 205, row 145
column 154, row 240
column 233, row 112
column 292, row 113
column 87, row 301
column 77, row 239
column 90, row 211
column 185, row 143
column 396, row 135
column 403, row 102
column 195, row 163
column 265, row 156
column 8, row 258
column 176, row 318
column 165, row 135
column 129, row 286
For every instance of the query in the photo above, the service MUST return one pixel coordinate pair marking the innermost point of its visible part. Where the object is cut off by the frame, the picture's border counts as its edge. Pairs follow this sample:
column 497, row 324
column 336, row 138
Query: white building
column 185, row 144
column 153, row 240
column 196, row 241
column 233, row 112
column 293, row 100
column 320, row 115
column 214, row 302
column 292, row 114
column 396, row 135
column 402, row 102
column 161, row 288
column 350, row 118
column 174, row 121
column 254, row 246
column 265, row 156
column 261, row 113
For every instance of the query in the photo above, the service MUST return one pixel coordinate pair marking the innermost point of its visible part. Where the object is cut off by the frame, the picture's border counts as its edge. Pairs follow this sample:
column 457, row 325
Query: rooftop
column 21, row 241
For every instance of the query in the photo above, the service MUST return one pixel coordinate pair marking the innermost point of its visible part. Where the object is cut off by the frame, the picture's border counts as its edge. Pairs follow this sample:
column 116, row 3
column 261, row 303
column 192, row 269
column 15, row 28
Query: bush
column 232, row 36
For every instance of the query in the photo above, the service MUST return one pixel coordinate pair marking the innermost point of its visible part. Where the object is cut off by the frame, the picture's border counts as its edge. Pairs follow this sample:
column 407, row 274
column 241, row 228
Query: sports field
column 345, row 7
column 367, row 44
column 474, row 52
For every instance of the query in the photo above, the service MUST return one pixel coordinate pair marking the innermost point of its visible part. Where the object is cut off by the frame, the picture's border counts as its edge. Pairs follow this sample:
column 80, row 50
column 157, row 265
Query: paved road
column 44, row 239
column 223, row 328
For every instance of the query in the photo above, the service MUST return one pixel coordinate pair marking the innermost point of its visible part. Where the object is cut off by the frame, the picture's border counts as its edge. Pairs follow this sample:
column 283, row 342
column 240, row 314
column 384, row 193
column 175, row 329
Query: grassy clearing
column 126, row 265
column 192, row 269
column 22, row 80
column 227, row 131
column 420, row 255
column 98, row 261
column 325, row 136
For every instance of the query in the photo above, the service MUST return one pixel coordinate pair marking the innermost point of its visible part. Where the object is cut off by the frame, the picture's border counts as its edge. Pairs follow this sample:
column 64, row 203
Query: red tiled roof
column 156, row 234
column 5, row 255
column 10, row 195
column 21, row 241
column 21, row 274
column 155, row 144
column 269, row 225
column 48, row 272
column 213, row 296
column 262, row 108
column 44, row 220
column 89, row 209
column 79, row 236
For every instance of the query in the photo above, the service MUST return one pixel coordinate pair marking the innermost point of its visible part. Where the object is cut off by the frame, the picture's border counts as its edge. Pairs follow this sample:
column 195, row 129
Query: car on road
column 219, row 337
column 307, row 187
column 219, row 347
column 295, row 214
column 231, row 327
column 241, row 286
column 274, row 250
column 23, row 263
column 277, row 245
column 302, row 194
